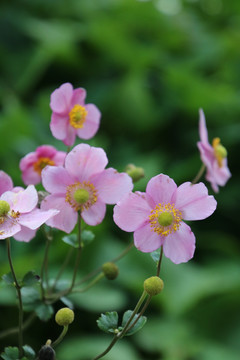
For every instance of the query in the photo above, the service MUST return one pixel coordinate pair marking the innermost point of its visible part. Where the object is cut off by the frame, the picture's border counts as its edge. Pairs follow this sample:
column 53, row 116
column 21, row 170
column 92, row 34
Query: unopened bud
column 46, row 353
column 64, row 316
column 135, row 172
column 4, row 207
column 110, row 270
column 153, row 285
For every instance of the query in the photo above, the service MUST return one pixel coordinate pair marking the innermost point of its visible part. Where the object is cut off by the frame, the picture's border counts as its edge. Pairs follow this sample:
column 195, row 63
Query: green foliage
column 12, row 353
column 108, row 322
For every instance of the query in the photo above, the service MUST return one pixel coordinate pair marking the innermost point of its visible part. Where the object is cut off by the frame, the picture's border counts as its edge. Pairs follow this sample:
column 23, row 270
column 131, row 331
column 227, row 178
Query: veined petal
column 193, row 201
column 146, row 240
column 25, row 234
column 55, row 179
column 36, row 218
column 131, row 212
column 6, row 183
column 66, row 219
column 161, row 188
column 23, row 200
column 9, row 228
column 61, row 98
column 94, row 215
column 84, row 161
column 179, row 247
column 91, row 123
column 111, row 185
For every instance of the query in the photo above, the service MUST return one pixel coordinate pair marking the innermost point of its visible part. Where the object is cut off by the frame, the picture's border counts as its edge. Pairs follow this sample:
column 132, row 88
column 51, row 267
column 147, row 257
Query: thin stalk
column 199, row 174
column 115, row 339
column 79, row 251
column 160, row 261
column 61, row 336
column 92, row 283
column 62, row 268
column 141, row 313
column 18, row 289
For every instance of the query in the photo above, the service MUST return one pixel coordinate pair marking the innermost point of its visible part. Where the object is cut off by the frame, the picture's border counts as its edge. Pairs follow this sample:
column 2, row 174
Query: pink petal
column 36, row 218
column 66, row 219
column 179, row 247
column 70, row 136
column 46, row 151
column 59, row 158
column 58, row 125
column 31, row 177
column 203, row 128
column 161, row 188
column 23, row 200
column 9, row 228
column 25, row 234
column 61, row 99
column 6, row 183
column 91, row 124
column 95, row 214
column 146, row 240
column 131, row 212
column 193, row 201
column 206, row 154
column 55, row 179
column 84, row 161
column 111, row 185
column 78, row 96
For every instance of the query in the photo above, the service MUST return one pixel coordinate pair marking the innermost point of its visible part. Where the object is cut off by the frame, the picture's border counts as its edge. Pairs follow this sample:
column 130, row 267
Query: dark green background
column 149, row 66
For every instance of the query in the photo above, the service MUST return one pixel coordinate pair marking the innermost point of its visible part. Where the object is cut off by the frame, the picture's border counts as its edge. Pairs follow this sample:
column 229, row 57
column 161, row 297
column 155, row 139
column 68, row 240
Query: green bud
column 4, row 207
column 153, row 285
column 64, row 316
column 136, row 173
column 165, row 218
column 81, row 196
column 110, row 270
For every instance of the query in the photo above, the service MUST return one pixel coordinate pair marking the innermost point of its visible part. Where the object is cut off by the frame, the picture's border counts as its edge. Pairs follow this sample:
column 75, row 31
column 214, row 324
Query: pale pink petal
column 46, row 151
column 36, row 218
column 193, row 201
column 203, row 128
column 146, row 240
column 95, row 214
column 31, row 177
column 131, row 212
column 66, row 219
column 25, row 234
column 111, row 185
column 161, row 188
column 91, row 124
column 58, row 125
column 179, row 247
column 206, row 154
column 27, row 161
column 78, row 96
column 23, row 200
column 59, row 158
column 221, row 174
column 9, row 228
column 61, row 98
column 70, row 136
column 6, row 183
column 84, row 161
column 55, row 179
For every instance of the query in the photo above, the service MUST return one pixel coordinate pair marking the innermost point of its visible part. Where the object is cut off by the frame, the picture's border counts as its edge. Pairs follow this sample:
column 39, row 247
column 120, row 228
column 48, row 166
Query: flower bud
column 64, row 317
column 46, row 353
column 110, row 270
column 136, row 173
column 4, row 207
column 153, row 285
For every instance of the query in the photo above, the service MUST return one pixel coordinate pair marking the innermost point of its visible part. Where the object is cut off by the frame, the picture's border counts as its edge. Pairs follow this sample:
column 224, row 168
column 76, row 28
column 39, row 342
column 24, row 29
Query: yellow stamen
column 76, row 192
column 220, row 151
column 41, row 163
column 165, row 219
column 77, row 116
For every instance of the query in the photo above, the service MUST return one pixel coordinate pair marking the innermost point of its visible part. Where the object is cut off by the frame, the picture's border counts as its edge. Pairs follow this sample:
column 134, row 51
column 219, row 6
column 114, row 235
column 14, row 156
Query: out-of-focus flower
column 32, row 164
column 82, row 185
column 19, row 216
column 214, row 156
column 6, row 183
column 156, row 217
column 71, row 117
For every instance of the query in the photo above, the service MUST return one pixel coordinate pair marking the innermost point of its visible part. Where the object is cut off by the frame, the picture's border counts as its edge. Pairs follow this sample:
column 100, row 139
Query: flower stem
column 115, row 339
column 160, row 261
column 18, row 289
column 93, row 282
column 65, row 263
column 79, row 251
column 199, row 174
column 61, row 336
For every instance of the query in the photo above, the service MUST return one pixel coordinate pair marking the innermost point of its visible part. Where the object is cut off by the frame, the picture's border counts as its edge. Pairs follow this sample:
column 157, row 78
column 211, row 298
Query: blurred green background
column 149, row 66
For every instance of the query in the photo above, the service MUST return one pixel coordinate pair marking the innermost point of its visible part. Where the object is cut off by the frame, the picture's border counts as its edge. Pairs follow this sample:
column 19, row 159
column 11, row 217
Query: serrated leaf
column 87, row 236
column 44, row 312
column 29, row 352
column 139, row 324
column 108, row 322
column 71, row 240
column 10, row 353
column 30, row 278
column 8, row 278
column 155, row 255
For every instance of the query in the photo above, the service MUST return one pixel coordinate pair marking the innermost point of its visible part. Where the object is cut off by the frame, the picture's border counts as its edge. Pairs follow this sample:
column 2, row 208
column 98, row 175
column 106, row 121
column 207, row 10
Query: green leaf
column 30, row 278
column 30, row 297
column 44, row 312
column 8, row 278
column 29, row 352
column 71, row 240
column 108, row 322
column 87, row 236
column 139, row 324
column 10, row 353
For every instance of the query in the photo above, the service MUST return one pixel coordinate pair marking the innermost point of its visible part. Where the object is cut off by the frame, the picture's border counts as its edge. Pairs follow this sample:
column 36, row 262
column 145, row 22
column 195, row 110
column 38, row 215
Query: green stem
column 61, row 336
column 160, row 261
column 79, row 251
column 141, row 313
column 65, row 263
column 18, row 289
column 199, row 174
column 115, row 339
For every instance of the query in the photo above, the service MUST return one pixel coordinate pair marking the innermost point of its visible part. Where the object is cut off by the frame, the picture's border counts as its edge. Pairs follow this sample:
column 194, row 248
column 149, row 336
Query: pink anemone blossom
column 214, row 157
column 6, row 183
column 83, row 185
column 19, row 216
column 71, row 117
column 156, row 216
column 32, row 164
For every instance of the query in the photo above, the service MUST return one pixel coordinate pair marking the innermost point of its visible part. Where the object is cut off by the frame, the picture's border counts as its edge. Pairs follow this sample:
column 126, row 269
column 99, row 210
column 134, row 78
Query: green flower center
column 165, row 218
column 4, row 207
column 81, row 196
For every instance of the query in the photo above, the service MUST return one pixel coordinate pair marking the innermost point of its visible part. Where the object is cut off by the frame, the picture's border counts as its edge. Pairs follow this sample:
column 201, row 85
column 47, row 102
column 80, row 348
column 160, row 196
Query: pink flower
column 19, row 216
column 82, row 185
column 6, row 183
column 33, row 163
column 156, row 217
column 214, row 156
column 71, row 116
